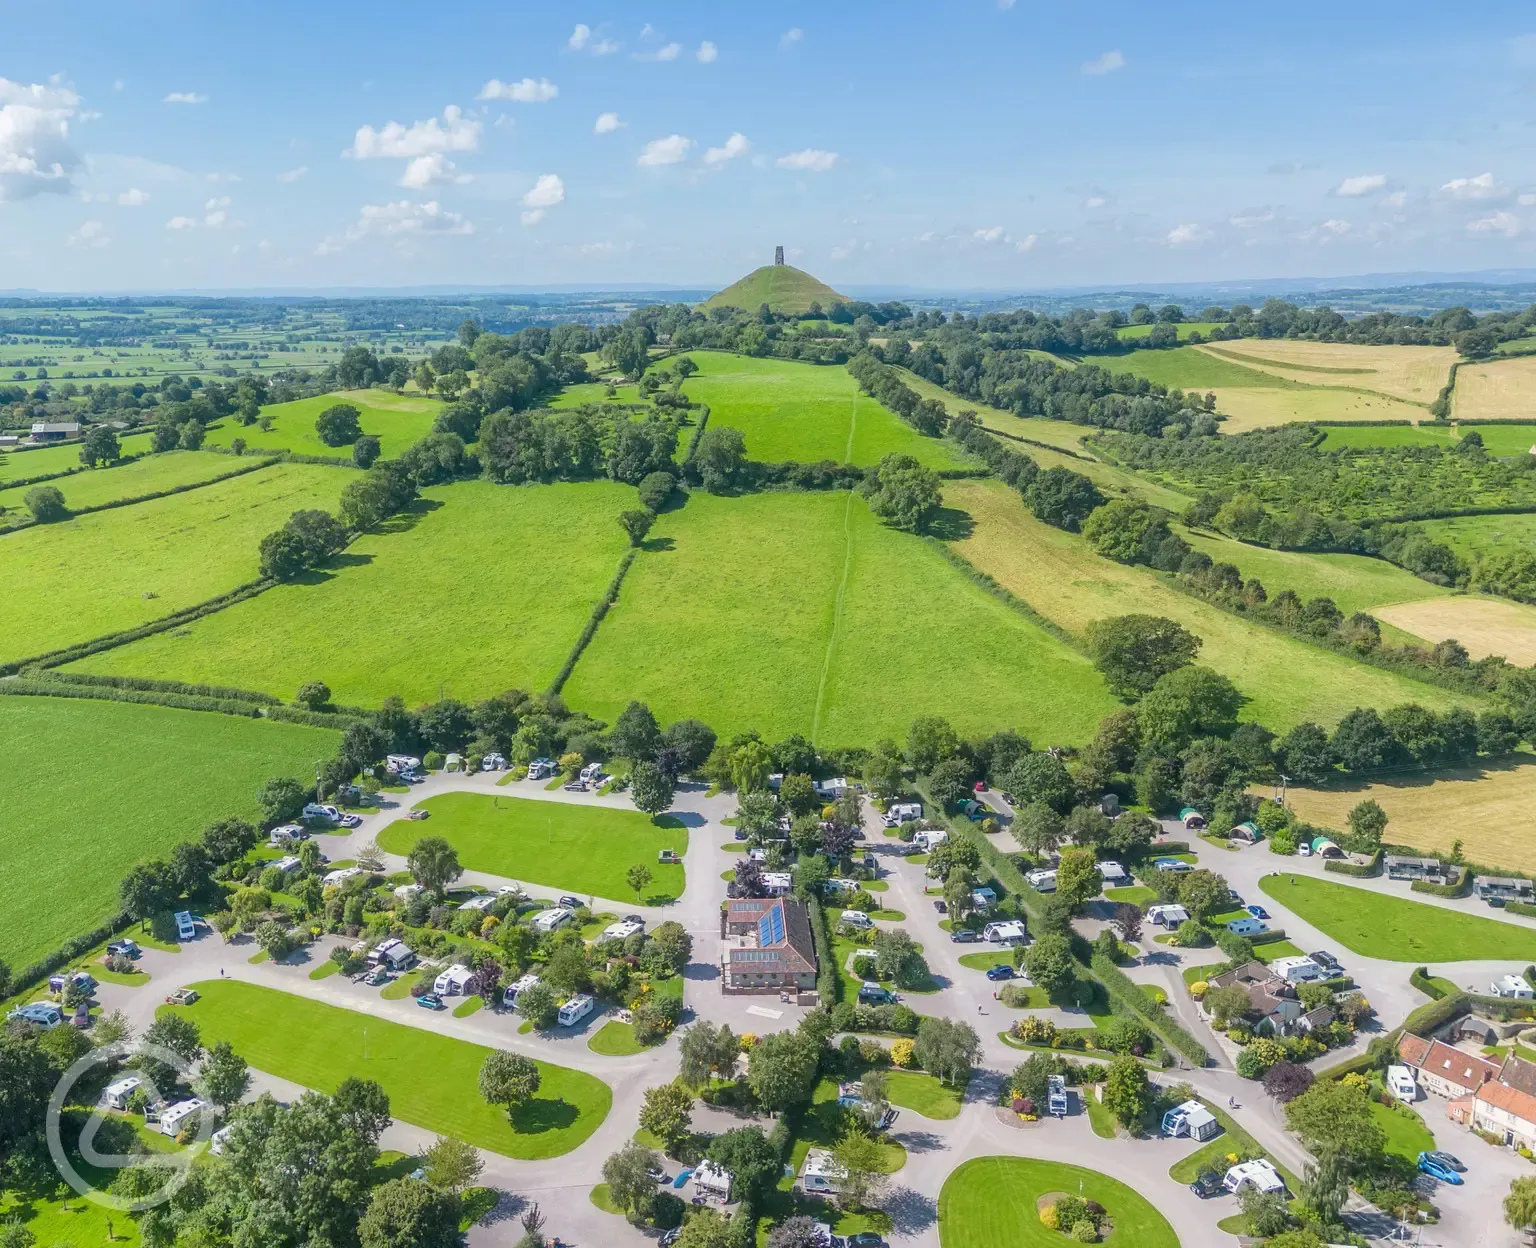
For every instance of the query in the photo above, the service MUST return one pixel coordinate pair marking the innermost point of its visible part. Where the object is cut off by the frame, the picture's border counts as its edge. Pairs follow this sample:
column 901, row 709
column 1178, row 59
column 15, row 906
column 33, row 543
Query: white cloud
column 1481, row 187
column 791, row 37
column 1251, row 217
column 989, row 235
column 1327, row 231
column 581, row 41
column 1095, row 201
column 1527, row 200
column 1027, row 243
column 548, row 191
column 1505, row 223
column 217, row 210
column 133, row 198
column 90, row 234
column 455, row 133
column 401, row 217
column 117, row 84
column 181, row 223
column 293, row 175
column 35, row 153
column 532, row 216
column 811, row 159
column 667, row 52
column 431, row 169
column 707, row 52
column 735, row 146
column 525, row 91
column 1106, row 64
column 606, row 123
column 221, row 177
column 185, row 97
column 1187, row 235
column 667, row 151
column 1361, row 184
column 1395, row 200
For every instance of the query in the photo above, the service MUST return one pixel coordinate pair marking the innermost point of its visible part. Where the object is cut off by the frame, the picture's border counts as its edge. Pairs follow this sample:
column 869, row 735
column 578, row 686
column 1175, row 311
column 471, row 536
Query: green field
column 801, row 613
column 95, row 786
column 396, row 421
column 924, row 1094
column 1407, row 1136
column 1129, row 333
column 586, row 849
column 1475, row 536
column 1189, row 368
column 805, row 412
column 1377, row 925
column 78, row 579
column 133, row 479
column 486, row 589
column 990, row 1202
column 431, row 1078
column 40, row 460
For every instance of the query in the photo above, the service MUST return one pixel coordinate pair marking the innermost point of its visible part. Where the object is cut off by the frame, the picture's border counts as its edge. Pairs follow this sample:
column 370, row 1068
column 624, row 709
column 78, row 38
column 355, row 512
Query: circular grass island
column 993, row 1202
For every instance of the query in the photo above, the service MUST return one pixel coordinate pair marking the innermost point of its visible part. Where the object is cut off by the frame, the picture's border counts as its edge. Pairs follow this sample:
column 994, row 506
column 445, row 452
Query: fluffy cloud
column 1095, row 201
column 525, row 91
column 581, row 41
column 217, row 212
column 1027, row 243
column 667, row 52
column 606, row 123
column 548, row 191
column 1395, row 200
column 1251, row 217
column 185, row 97
column 707, row 52
column 181, row 223
column 811, row 159
column 1327, row 231
column 1106, row 64
column 791, row 37
column 1187, row 235
column 735, row 146
column 431, row 169
column 133, row 198
column 293, row 175
column 454, row 133
column 35, row 154
column 1527, row 200
column 1505, row 223
column 1481, row 187
column 90, row 234
column 668, row 151
column 990, row 234
column 1361, row 184
column 401, row 217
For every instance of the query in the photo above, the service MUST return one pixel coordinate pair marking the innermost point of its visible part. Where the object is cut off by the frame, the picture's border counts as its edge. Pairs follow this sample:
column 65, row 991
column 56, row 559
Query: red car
column 981, row 786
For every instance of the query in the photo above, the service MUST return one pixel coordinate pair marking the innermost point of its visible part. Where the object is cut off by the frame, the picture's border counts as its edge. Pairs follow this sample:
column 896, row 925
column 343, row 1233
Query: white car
column 350, row 821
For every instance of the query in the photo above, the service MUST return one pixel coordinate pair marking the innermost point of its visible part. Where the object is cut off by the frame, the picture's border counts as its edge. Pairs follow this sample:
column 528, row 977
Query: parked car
column 350, row 821
column 575, row 786
column 430, row 1001
column 1008, row 797
column 981, row 786
column 866, row 1239
column 1207, row 1185
column 1001, row 971
column 81, row 1017
column 962, row 935
column 941, row 905
column 1258, row 912
column 1449, row 1160
column 1305, row 849
column 182, row 996
column 631, row 918
column 123, row 948
column 572, row 903
column 669, row 1238
column 875, row 994
column 1428, row 1165
column 419, row 814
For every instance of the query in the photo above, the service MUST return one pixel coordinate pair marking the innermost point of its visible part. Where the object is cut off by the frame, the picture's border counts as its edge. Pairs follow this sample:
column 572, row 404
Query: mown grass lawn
column 792, row 601
column 1376, row 925
column 1267, row 953
column 924, row 1094
column 479, row 589
column 395, row 420
column 431, row 1079
column 586, row 849
column 788, row 410
column 616, row 1039
column 1135, row 894
column 990, row 1202
column 77, row 579
column 66, row 840
column 1407, row 1136
column 129, row 479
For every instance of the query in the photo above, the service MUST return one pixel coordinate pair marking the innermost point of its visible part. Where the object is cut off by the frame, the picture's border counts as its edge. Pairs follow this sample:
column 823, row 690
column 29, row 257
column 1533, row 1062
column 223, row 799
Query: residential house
column 768, row 946
column 1272, row 1004
column 1443, row 1070
column 1506, row 1112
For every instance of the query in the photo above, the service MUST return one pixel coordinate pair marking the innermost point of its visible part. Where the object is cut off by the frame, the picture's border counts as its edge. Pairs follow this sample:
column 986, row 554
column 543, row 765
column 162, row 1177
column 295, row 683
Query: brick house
column 1443, row 1070
column 768, row 946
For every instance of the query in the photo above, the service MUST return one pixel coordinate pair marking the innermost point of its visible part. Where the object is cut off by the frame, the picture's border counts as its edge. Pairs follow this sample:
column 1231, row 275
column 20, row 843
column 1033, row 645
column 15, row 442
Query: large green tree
column 1135, row 651
column 903, row 493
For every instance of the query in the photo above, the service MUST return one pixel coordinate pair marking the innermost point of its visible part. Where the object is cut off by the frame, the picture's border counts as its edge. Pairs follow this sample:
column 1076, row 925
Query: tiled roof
column 1452, row 1065
column 1413, row 1049
column 1519, row 1074
column 1511, row 1100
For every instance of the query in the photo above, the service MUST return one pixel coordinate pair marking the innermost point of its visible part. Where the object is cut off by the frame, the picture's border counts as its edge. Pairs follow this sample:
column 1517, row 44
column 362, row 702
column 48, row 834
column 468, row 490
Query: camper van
column 1056, row 1096
column 548, row 920
column 186, row 929
column 1042, row 881
column 542, row 769
column 320, row 810
column 930, row 837
column 899, row 813
column 856, row 918
column 574, row 1010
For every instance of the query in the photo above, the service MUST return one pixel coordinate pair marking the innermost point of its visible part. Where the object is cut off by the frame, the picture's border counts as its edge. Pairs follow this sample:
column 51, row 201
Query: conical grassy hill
column 784, row 288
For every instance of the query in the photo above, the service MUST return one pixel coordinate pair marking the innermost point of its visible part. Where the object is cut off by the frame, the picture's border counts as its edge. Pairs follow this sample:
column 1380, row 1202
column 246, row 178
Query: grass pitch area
column 78, row 579
column 93, row 786
column 802, row 613
column 396, row 420
column 1285, row 679
column 585, row 849
column 431, row 1079
column 1485, row 807
column 1379, row 925
column 138, row 477
column 1483, row 625
column 805, row 412
column 481, row 588
column 994, row 1202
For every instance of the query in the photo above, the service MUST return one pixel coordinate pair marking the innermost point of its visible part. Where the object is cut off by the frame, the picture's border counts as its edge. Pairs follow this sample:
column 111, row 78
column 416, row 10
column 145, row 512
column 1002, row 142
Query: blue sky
column 973, row 143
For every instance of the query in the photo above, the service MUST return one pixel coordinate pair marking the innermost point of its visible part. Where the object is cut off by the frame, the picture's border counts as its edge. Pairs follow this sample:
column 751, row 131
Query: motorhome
column 1042, row 880
column 899, row 813
column 1056, row 1096
column 576, row 1009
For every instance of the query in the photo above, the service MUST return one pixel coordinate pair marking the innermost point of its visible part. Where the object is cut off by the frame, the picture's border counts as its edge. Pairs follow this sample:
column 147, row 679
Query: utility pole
column 1280, row 797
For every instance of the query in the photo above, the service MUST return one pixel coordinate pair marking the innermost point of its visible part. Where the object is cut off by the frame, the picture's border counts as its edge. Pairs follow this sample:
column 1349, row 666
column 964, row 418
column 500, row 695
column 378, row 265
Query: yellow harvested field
column 1257, row 407
column 1487, row 808
column 1483, row 625
column 1499, row 390
column 1285, row 680
column 1414, row 373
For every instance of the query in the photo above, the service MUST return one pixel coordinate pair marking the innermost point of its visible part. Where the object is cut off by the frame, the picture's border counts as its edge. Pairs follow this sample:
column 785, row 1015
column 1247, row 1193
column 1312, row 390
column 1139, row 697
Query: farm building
column 54, row 430
column 768, row 947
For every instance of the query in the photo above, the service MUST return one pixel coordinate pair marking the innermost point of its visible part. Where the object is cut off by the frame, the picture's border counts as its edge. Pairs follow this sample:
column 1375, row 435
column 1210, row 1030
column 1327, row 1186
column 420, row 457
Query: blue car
column 430, row 1001
column 1001, row 971
column 1258, row 912
column 1437, row 1170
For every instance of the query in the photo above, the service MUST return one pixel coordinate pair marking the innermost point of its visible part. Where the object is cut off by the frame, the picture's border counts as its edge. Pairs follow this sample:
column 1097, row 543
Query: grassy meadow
column 801, row 613
column 1285, row 680
column 396, row 420
column 99, row 785
column 147, row 475
column 17, row 465
column 585, row 849
column 481, row 588
column 806, row 412
column 78, row 579
column 431, row 1079
column 1262, row 407
column 1130, row 333
column 1474, row 536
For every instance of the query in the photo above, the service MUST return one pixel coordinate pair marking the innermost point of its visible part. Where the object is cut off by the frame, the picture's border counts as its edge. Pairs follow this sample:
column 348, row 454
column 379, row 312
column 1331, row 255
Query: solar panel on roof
column 770, row 928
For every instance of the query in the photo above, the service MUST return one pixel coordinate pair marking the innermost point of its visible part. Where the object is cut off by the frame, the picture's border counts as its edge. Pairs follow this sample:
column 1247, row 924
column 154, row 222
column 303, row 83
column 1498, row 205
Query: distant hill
column 782, row 287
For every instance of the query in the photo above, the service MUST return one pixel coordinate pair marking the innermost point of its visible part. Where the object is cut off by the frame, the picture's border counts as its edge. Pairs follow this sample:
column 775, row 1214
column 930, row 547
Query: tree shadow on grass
column 333, row 565
column 660, row 899
column 404, row 521
column 952, row 525
column 655, row 545
column 541, row 1114
column 1417, row 779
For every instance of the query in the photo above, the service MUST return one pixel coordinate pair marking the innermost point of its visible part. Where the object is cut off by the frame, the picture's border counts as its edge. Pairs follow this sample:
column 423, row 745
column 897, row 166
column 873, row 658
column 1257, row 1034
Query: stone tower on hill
column 778, row 255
